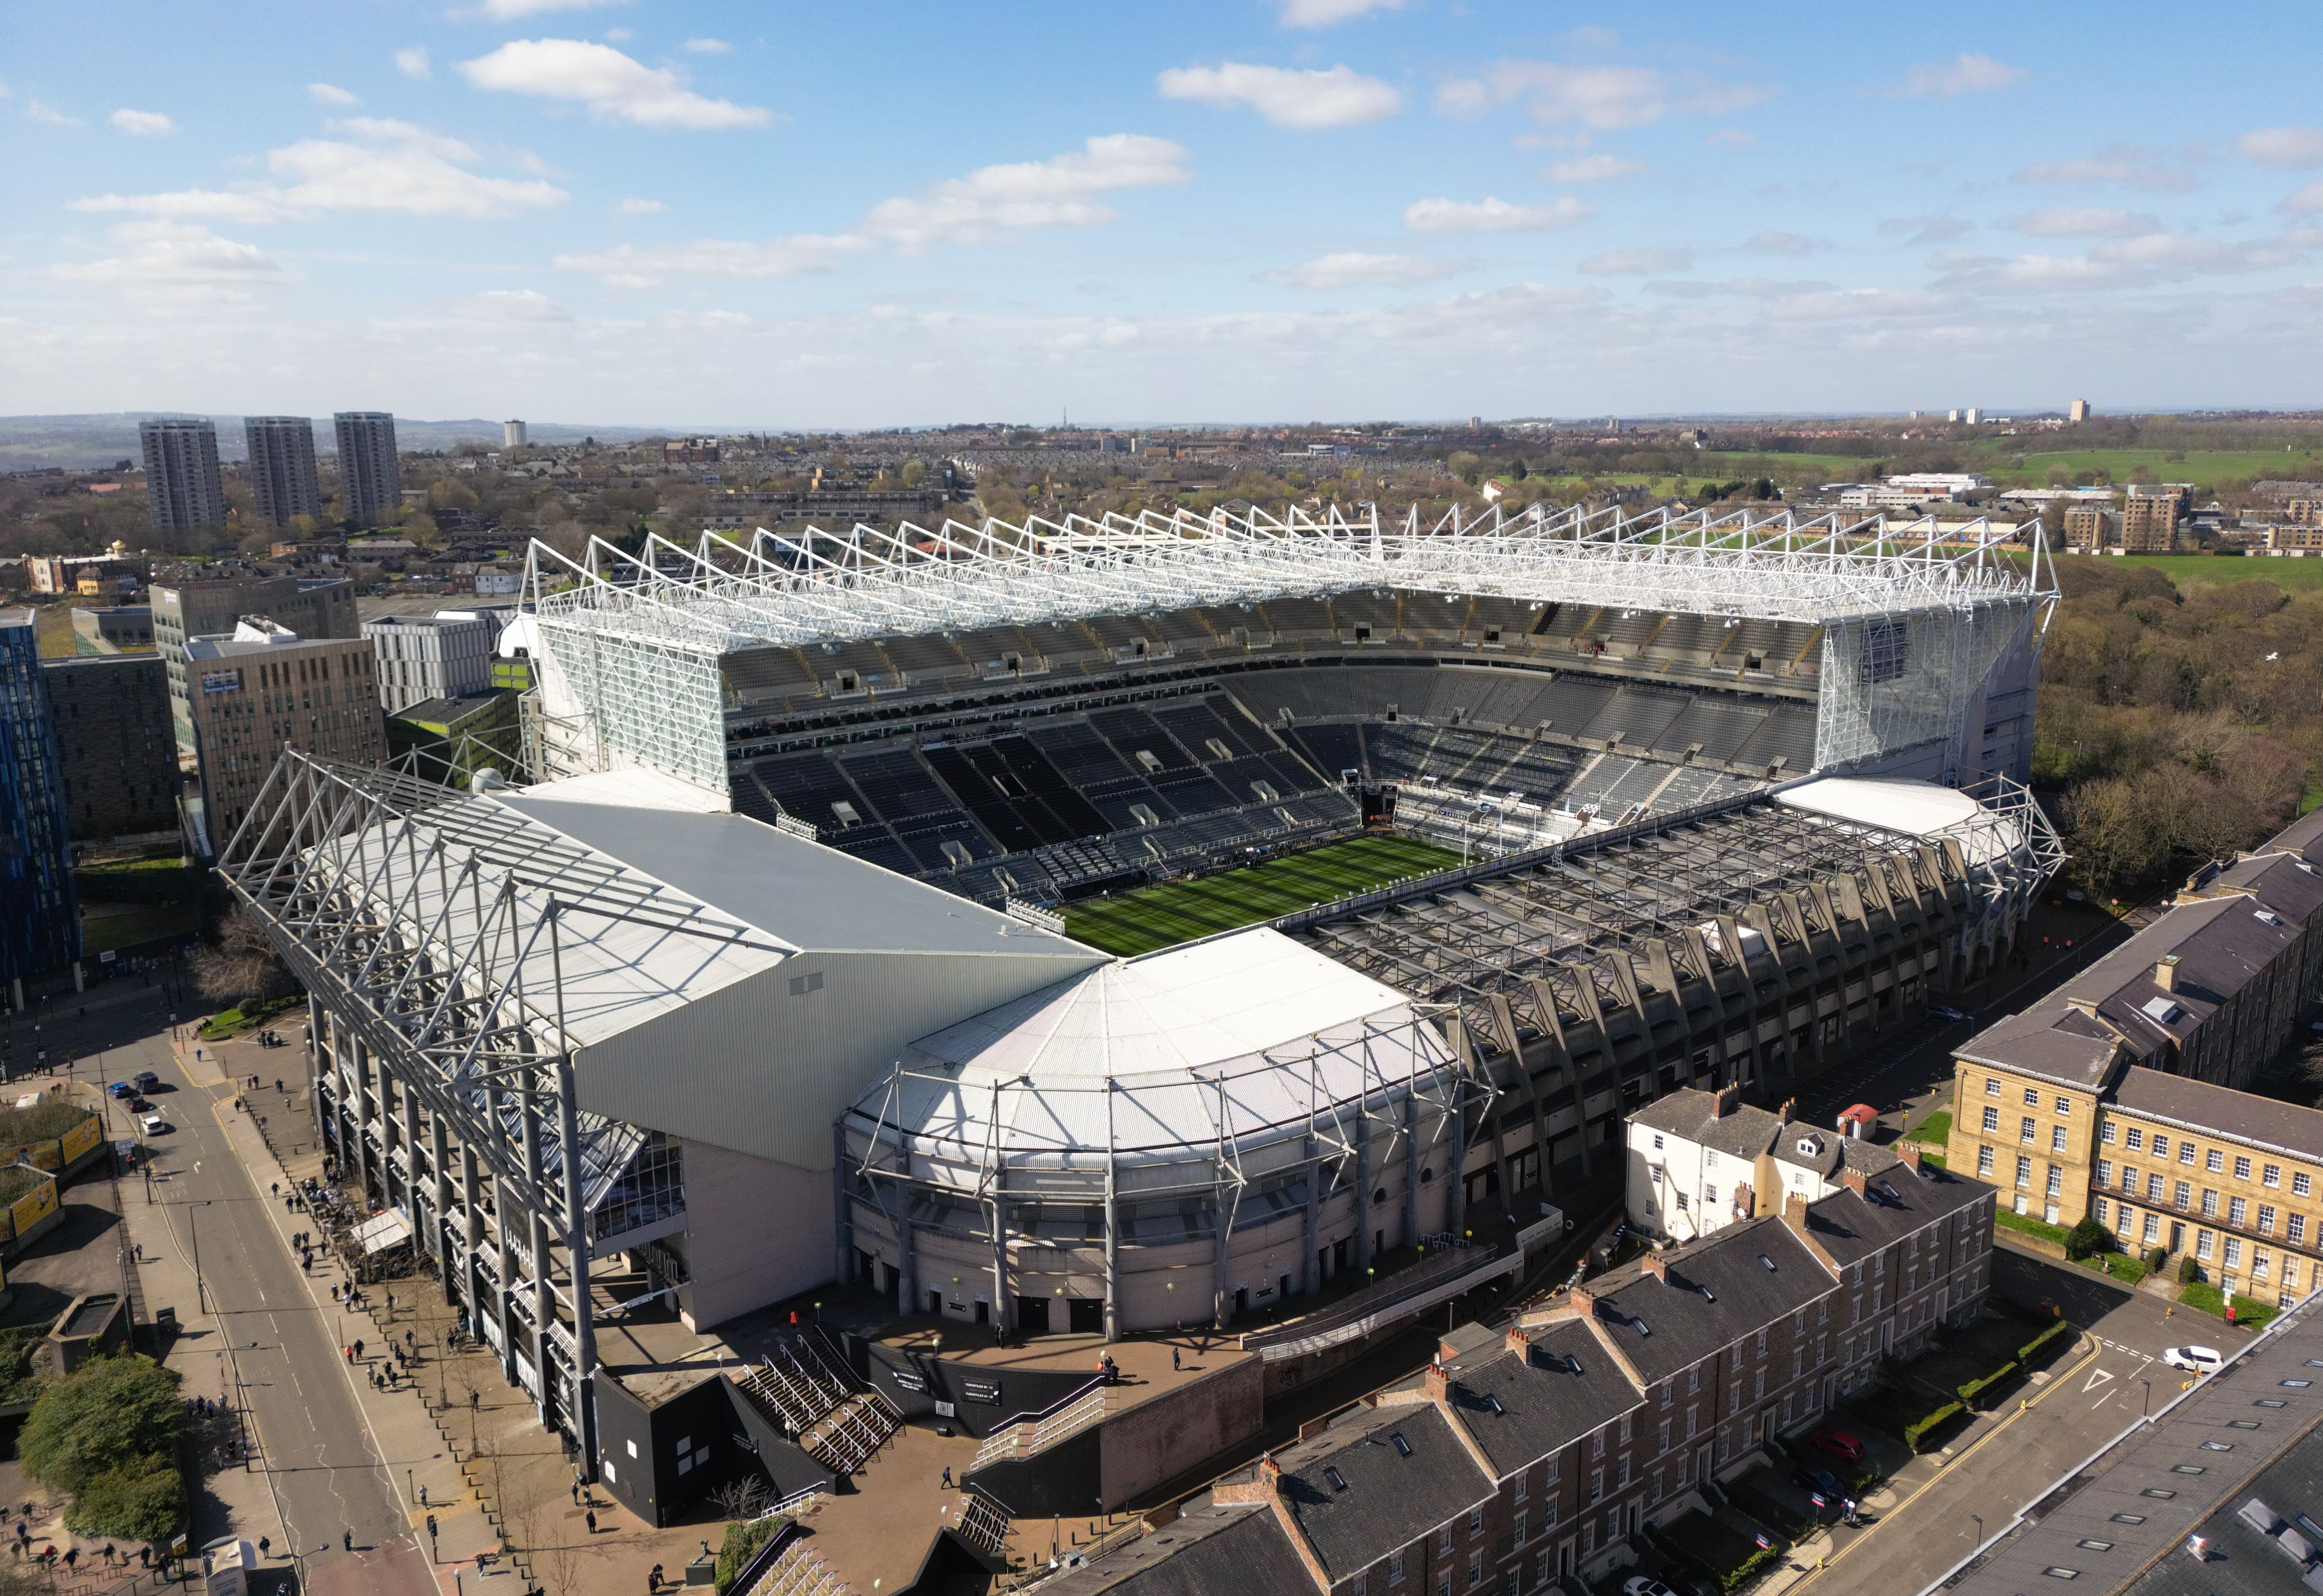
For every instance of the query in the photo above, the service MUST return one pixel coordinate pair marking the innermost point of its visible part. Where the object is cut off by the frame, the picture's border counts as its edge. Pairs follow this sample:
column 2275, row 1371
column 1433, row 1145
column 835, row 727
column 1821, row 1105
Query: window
column 2233, row 1252
column 1984, row 1162
column 1476, row 1520
column 2064, row 1106
column 1657, row 1144
column 2160, row 1145
column 1760, row 1350
column 2260, row 1263
column 2183, row 1195
column 2202, row 1243
column 2242, row 1168
column 1517, row 1530
column 1359, row 1585
column 2301, row 1184
column 2056, row 1180
column 1597, row 1445
column 2025, row 1129
column 1517, row 1487
column 2032, row 1097
column 2023, row 1170
column 2135, row 1136
column 2294, row 1228
column 1395, row 1568
column 1596, row 1484
column 2185, row 1152
column 1992, row 1086
column 2237, row 1210
column 1693, row 1385
column 1662, row 1439
column 2105, row 1171
column 1669, row 1390
column 2217, row 1160
column 2153, row 1189
column 1444, row 1541
column 2210, row 1204
column 2105, row 1132
column 2271, row 1175
column 1625, row 1429
column 2056, row 1138
column 1475, row 1568
column 2098, row 1209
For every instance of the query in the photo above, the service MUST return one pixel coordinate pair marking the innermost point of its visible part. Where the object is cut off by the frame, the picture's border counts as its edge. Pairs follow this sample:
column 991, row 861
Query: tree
column 241, row 969
column 2088, row 1239
column 1464, row 465
column 103, row 1436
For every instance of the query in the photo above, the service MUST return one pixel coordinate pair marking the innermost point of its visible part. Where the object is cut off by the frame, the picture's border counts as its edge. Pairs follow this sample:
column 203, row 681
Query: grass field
column 1176, row 912
column 2185, row 571
column 2194, row 466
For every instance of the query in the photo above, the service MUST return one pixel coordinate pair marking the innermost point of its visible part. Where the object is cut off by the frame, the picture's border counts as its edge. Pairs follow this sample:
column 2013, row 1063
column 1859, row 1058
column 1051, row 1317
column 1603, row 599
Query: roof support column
column 472, row 1231
column 842, row 1216
column 1364, row 1169
column 358, row 1142
column 583, row 1417
column 440, row 1156
column 503, row 1305
column 411, row 1137
column 1112, row 1226
column 536, row 1236
column 1003, row 1321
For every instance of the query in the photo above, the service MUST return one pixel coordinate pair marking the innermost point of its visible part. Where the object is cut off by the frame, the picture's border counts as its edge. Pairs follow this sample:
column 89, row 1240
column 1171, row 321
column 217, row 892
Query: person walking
column 265, row 1544
column 591, row 1516
column 347, row 1541
column 946, row 1481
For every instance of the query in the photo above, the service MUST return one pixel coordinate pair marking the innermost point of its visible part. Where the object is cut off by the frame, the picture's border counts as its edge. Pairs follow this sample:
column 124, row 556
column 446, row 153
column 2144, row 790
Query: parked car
column 138, row 1104
column 1949, row 1015
column 2201, row 1360
column 1638, row 1584
column 1839, row 1443
column 153, row 1124
column 120, row 1088
column 146, row 1081
column 1816, row 1478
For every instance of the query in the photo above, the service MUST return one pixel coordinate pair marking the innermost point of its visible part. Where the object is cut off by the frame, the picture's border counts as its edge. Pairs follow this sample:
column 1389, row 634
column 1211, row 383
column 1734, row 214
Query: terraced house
column 2118, row 1095
column 1524, row 1457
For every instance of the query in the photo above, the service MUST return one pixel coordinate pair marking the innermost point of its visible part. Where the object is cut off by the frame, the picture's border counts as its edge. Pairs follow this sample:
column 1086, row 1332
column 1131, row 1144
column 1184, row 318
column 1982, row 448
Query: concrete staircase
column 810, row 1396
column 798, row 1572
column 1015, row 1443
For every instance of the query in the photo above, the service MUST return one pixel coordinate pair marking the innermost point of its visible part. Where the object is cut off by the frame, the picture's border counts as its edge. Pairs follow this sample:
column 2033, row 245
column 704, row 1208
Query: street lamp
column 2146, row 1405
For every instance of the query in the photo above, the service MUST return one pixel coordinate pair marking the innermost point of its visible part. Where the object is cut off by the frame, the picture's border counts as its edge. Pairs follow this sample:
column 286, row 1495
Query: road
column 325, row 1470
column 2089, row 1397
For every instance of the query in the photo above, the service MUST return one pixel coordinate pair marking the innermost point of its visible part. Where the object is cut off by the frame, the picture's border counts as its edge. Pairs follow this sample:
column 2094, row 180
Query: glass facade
column 40, row 922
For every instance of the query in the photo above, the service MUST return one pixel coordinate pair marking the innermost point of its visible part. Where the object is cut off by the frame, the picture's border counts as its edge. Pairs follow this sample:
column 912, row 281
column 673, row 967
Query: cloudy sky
column 736, row 215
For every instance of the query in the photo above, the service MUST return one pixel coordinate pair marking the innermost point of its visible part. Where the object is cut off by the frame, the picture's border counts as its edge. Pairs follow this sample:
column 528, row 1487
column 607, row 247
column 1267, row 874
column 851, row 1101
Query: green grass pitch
column 1178, row 911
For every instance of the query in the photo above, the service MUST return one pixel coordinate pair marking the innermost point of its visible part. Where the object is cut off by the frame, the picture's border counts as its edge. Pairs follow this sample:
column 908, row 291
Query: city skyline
column 1335, row 209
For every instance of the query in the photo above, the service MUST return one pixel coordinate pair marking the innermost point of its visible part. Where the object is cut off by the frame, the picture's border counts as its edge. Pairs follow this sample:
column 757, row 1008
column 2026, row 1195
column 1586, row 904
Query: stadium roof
column 809, row 586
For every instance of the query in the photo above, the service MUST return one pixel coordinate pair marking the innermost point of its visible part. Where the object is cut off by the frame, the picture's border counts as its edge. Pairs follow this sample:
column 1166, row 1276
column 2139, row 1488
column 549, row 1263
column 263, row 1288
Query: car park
column 2201, row 1360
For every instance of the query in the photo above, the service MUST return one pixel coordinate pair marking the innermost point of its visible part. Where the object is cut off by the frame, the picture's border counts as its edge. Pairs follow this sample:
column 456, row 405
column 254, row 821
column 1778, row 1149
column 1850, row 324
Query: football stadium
column 1097, row 926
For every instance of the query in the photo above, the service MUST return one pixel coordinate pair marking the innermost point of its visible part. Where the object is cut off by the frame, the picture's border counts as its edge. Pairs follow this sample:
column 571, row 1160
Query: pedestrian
column 72, row 1556
column 653, row 1580
column 145, row 1557
column 591, row 1516
column 473, row 1398
column 359, row 1346
column 576, row 1493
column 1175, row 1366
column 423, row 1496
column 264, row 1543
column 109, row 1554
column 274, row 1189
column 946, row 1483
column 347, row 1541
column 391, row 1305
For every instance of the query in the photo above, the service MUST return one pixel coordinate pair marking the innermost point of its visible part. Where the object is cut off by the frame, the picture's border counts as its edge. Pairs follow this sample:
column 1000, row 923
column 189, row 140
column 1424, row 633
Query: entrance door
column 1339, row 1255
column 2176, row 1236
column 983, row 1311
column 935, row 1300
column 1088, row 1314
column 1242, row 1300
column 1032, row 1316
column 1563, row 1559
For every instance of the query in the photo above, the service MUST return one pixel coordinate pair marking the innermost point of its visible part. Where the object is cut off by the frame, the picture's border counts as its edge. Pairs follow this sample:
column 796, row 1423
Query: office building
column 39, row 924
column 114, row 745
column 447, row 654
column 370, row 482
column 2079, row 412
column 282, row 481
column 183, row 487
column 2122, row 1094
column 262, row 688
column 119, row 628
column 320, row 607
column 512, row 434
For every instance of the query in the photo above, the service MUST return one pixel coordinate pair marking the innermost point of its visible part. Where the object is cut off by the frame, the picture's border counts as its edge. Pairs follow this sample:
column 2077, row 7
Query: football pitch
column 1176, row 912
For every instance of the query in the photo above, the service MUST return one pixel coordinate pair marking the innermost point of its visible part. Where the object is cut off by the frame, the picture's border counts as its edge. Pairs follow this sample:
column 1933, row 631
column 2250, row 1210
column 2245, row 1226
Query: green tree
column 2088, row 1239
column 144, row 1499
column 1464, row 465
column 108, row 1415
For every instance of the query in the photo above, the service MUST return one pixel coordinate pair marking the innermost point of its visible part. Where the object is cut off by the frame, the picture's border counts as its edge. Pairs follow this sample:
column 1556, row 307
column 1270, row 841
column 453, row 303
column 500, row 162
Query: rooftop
column 1709, row 1294
column 2241, row 1116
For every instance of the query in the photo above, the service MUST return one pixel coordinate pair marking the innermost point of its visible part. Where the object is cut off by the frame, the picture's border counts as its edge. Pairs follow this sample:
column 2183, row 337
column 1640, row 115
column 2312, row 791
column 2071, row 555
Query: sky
column 777, row 215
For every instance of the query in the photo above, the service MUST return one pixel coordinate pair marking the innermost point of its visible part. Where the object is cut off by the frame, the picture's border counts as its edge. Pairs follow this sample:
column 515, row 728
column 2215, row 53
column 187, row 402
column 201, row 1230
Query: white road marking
column 2098, row 1377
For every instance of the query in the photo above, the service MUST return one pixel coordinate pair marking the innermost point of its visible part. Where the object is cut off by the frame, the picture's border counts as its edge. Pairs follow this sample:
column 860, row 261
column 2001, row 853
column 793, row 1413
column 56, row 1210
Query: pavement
column 1935, row 1510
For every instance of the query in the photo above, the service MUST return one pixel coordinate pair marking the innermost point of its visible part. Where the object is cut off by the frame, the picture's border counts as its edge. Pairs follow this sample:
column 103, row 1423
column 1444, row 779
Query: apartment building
column 1526, row 1457
column 40, row 922
column 115, row 750
column 1700, row 1161
column 183, row 485
column 447, row 654
column 2120, row 1093
column 262, row 689
column 283, row 479
column 313, row 607
column 2151, row 514
column 2092, row 526
column 371, row 476
column 117, row 629
column 2301, row 535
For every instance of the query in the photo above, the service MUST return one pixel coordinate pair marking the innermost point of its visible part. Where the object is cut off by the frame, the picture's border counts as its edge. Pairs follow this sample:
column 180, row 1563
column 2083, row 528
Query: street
column 323, row 1468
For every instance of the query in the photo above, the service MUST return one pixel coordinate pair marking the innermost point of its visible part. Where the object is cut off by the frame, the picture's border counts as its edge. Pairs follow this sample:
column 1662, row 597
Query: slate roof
column 1392, row 1496
column 1208, row 1551
column 1742, row 1130
column 1809, row 1147
column 1850, row 1225
column 1756, row 1273
column 1522, row 1409
column 2243, row 1116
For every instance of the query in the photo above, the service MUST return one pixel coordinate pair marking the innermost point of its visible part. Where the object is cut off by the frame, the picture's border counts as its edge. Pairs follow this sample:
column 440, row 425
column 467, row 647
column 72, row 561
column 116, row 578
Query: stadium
column 1101, row 925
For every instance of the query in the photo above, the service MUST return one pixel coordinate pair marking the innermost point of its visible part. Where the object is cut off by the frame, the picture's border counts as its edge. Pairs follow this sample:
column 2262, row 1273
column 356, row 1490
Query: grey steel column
column 1362, row 1179
column 1000, row 1314
column 1310, row 1271
column 1456, row 1207
column 439, row 1154
column 1112, row 1228
column 1411, row 1164
column 472, row 1231
column 536, row 1241
column 576, row 1267
column 842, row 1211
column 411, row 1159
column 504, row 1223
column 357, row 1136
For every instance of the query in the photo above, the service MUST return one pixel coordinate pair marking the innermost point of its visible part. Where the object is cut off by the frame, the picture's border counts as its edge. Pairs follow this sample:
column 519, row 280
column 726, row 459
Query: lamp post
column 2145, row 1405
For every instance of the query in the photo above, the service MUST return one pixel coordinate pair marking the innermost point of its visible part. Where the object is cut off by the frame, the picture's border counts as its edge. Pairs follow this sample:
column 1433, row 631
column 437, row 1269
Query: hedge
column 2025, row 1352
column 1969, row 1392
column 1920, row 1429
column 1750, row 1567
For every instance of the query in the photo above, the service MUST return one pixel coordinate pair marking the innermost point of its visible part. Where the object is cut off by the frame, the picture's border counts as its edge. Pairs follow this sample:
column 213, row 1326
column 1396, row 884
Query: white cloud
column 383, row 165
column 1963, row 74
column 708, row 47
column 613, row 86
column 509, row 11
column 1780, row 244
column 1741, row 287
column 1355, row 269
column 1492, row 214
column 2125, row 166
column 1340, row 97
column 1596, row 169
column 1731, row 138
column 412, row 62
column 1637, row 262
column 1326, row 14
column 47, row 116
column 2306, row 202
column 630, row 266
column 142, row 124
column 2283, row 146
column 330, row 94
column 641, row 208
column 1923, row 229
column 1603, row 97
column 1060, row 191
column 517, row 305
column 2070, row 221
column 164, row 251
column 2122, row 263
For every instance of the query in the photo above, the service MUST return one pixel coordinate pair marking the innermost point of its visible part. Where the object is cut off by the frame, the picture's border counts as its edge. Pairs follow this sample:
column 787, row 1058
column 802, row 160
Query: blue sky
column 1219, row 210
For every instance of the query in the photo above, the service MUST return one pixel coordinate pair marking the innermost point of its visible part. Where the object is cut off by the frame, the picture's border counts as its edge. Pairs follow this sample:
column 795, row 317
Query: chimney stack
column 1725, row 1100
column 1795, row 1210
column 1852, row 1178
column 1790, row 1110
column 1909, row 1151
column 1657, row 1265
column 1520, row 1345
column 1437, row 1384
column 2165, row 972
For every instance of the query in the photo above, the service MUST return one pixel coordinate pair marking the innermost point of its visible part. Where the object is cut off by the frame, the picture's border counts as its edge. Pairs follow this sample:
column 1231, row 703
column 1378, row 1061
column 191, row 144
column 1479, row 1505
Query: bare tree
column 241, row 969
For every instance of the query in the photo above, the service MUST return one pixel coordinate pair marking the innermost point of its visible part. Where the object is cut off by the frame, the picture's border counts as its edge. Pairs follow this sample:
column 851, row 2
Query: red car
column 1839, row 1443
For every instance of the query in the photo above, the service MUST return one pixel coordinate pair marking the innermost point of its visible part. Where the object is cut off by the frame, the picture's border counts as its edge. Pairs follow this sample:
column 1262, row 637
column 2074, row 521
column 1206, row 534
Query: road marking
column 2098, row 1377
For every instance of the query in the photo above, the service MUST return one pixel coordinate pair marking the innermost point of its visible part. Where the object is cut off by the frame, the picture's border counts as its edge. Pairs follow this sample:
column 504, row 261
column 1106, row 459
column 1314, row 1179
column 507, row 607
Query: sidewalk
column 495, row 1480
